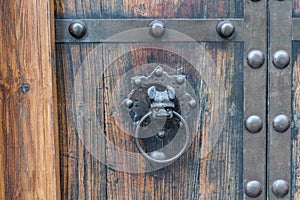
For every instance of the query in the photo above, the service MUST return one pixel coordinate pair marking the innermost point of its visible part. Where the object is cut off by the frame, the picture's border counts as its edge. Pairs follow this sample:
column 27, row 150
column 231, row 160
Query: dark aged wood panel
column 82, row 176
column 196, row 175
column 295, row 167
column 27, row 134
column 206, row 171
column 149, row 9
column 217, row 175
column 296, row 8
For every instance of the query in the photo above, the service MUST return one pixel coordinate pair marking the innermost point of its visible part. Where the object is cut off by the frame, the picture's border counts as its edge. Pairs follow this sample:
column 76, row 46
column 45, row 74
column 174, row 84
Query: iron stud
column 281, row 59
column 157, row 29
column 254, row 124
column 281, row 123
column 158, row 71
column 255, row 59
column 128, row 103
column 280, row 188
column 253, row 189
column 225, row 29
column 77, row 29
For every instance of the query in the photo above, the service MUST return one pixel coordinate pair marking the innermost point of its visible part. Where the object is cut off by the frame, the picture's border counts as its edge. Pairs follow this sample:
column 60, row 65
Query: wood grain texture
column 217, row 175
column 149, row 9
column 82, row 175
column 296, row 8
column 295, row 148
column 27, row 134
column 194, row 176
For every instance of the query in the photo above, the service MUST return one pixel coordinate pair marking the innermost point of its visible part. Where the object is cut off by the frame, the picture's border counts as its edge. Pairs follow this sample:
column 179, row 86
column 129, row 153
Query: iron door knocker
column 162, row 95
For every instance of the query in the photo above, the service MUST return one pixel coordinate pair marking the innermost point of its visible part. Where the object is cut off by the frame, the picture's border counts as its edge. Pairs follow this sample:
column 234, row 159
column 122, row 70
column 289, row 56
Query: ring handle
column 158, row 161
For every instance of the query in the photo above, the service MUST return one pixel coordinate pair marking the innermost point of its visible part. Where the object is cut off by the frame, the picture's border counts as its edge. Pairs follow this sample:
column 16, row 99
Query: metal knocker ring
column 160, row 161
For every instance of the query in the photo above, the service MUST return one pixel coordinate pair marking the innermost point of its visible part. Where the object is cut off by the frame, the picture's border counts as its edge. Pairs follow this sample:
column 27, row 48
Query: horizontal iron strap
column 136, row 30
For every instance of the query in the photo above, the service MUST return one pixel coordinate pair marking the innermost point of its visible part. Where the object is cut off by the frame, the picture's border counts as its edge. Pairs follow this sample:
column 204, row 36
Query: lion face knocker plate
column 166, row 107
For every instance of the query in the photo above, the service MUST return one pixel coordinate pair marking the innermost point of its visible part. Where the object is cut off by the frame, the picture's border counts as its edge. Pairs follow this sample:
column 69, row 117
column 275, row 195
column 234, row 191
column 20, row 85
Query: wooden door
column 73, row 116
column 212, row 167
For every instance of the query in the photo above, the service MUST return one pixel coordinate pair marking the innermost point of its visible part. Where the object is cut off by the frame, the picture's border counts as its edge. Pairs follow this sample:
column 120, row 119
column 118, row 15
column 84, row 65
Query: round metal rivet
column 254, row 124
column 128, row 103
column 281, row 123
column 180, row 80
column 280, row 188
column 225, row 29
column 158, row 155
column 158, row 71
column 137, row 81
column 77, row 29
column 253, row 189
column 192, row 103
column 157, row 28
column 162, row 134
column 255, row 59
column 281, row 59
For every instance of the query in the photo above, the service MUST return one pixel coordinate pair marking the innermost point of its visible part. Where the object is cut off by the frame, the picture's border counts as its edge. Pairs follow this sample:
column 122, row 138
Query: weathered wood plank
column 296, row 8
column 27, row 132
column 82, row 175
column 149, row 9
column 295, row 148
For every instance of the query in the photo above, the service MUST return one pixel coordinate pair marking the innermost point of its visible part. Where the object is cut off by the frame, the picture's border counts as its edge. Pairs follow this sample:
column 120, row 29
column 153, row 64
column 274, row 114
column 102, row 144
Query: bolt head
column 193, row 103
column 253, row 189
column 180, row 80
column 159, row 71
column 157, row 29
column 280, row 188
column 77, row 29
column 128, row 103
column 161, row 134
column 255, row 59
column 281, row 123
column 281, row 59
column 225, row 29
column 137, row 81
column 254, row 124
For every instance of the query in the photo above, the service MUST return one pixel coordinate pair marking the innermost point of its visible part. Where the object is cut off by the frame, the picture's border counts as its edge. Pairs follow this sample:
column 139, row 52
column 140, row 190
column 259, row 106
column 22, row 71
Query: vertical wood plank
column 295, row 146
column 82, row 175
column 27, row 134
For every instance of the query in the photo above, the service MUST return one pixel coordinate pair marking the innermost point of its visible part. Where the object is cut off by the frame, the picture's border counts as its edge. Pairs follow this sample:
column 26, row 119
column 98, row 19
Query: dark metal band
column 280, row 98
column 255, row 91
column 296, row 29
column 101, row 30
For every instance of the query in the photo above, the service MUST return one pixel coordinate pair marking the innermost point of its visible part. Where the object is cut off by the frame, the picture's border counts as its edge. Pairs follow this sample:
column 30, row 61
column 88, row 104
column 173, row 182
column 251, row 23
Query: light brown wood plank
column 27, row 134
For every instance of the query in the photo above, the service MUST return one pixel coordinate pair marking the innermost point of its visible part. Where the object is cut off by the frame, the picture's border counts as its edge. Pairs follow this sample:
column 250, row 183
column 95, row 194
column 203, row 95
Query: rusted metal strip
column 255, row 81
column 279, row 99
column 101, row 30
